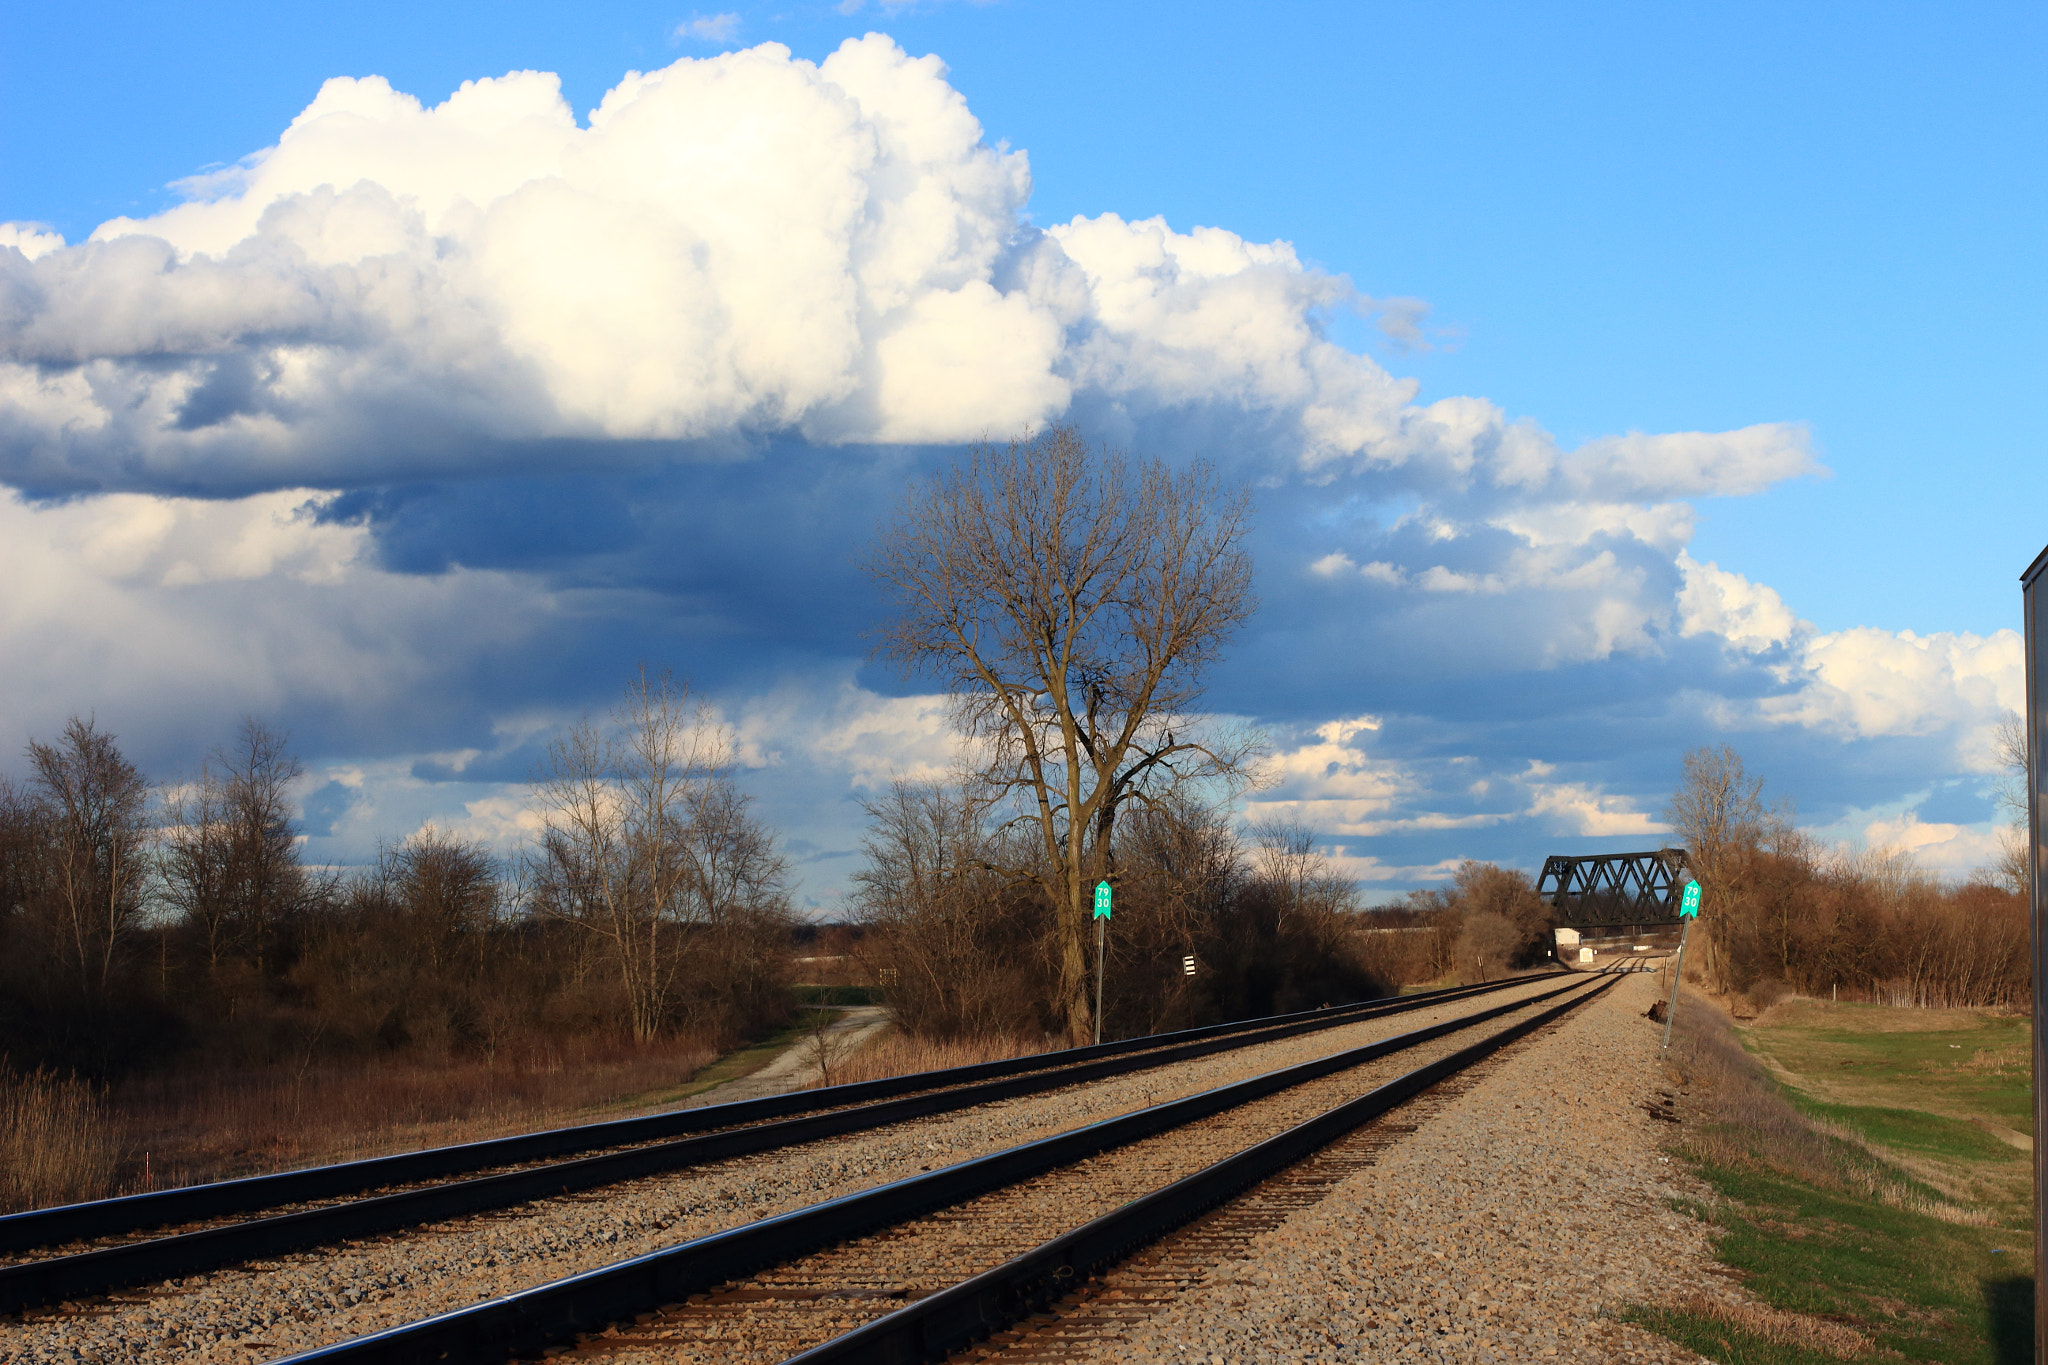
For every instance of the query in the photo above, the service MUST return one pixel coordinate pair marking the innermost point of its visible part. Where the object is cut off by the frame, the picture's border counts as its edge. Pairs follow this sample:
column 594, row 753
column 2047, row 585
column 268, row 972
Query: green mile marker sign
column 1689, row 904
column 1102, row 900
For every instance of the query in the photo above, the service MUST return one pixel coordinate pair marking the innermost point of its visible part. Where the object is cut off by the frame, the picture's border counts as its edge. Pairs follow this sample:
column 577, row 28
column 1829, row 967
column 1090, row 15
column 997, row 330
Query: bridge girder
column 1603, row 890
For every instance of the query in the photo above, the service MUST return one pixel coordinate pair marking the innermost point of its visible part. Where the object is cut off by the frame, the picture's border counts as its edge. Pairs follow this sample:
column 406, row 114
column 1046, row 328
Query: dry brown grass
column 1748, row 1119
column 56, row 1145
column 1800, row 1331
column 186, row 1128
column 900, row 1054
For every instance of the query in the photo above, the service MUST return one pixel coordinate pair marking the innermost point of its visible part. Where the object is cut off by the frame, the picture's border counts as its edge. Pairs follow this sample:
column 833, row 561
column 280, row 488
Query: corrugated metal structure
column 2034, row 608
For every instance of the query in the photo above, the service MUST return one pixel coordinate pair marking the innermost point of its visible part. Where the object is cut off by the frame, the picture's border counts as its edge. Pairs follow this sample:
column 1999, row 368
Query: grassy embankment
column 1872, row 1181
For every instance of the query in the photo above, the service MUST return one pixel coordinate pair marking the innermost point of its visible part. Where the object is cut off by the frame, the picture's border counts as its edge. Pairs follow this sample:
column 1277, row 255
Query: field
column 1872, row 1183
column 62, row 1140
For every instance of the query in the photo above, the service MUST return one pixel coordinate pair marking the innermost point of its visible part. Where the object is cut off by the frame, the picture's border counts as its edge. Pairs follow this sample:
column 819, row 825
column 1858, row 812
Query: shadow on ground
column 2009, row 1304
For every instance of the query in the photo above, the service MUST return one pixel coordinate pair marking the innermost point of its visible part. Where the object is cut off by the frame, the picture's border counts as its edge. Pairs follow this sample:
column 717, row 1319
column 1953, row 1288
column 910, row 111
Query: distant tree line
column 143, row 921
column 1783, row 912
column 1487, row 923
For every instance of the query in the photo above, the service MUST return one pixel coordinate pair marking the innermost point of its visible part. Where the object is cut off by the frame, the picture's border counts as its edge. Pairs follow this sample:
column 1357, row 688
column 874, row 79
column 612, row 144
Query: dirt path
column 796, row 1066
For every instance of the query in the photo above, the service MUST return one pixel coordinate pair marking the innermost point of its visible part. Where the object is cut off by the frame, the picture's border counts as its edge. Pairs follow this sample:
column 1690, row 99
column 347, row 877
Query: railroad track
column 921, row 1267
column 116, row 1244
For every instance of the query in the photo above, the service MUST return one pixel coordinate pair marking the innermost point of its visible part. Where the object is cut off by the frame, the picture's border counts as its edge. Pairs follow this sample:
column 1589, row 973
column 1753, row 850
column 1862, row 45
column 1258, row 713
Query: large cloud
column 740, row 245
column 1862, row 682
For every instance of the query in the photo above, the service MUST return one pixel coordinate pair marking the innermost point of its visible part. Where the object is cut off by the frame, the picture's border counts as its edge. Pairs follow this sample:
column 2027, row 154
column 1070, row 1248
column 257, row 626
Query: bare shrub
column 57, row 1144
column 1400, row 955
column 1767, row 992
column 960, row 952
column 902, row 1054
column 1485, row 942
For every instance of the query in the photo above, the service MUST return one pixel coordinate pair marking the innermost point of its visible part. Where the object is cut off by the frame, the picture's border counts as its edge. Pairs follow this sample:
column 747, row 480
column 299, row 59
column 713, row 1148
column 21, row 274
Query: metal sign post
column 1101, row 928
column 2034, row 610
column 1688, row 911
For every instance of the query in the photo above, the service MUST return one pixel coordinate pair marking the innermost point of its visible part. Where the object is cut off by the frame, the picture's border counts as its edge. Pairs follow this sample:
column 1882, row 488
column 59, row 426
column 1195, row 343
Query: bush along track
column 1860, row 1226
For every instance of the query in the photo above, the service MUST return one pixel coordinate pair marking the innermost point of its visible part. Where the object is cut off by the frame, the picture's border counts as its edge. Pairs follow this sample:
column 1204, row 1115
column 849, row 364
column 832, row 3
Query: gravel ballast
column 1510, row 1225
column 279, row 1307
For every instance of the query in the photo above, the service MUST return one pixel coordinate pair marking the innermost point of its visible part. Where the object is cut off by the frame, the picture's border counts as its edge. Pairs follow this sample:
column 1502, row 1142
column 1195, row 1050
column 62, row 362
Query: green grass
column 836, row 995
column 1961, row 1063
column 1925, row 1289
column 1919, row 1133
column 1867, row 1235
column 1915, row 1087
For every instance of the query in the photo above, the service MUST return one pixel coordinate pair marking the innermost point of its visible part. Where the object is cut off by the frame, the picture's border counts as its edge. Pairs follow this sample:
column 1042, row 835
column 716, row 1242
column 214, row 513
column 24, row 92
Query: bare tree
column 935, row 913
column 2009, row 742
column 230, row 862
column 1717, row 809
column 98, row 804
column 1194, row 857
column 1718, row 813
column 194, row 863
column 23, row 850
column 1287, row 859
column 448, row 888
column 1071, row 603
column 644, row 836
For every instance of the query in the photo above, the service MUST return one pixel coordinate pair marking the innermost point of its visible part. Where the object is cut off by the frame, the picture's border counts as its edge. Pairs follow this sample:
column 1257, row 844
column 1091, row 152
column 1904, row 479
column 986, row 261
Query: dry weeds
column 63, row 1140
column 1747, row 1118
column 900, row 1054
column 1797, row 1330
column 212, row 1125
column 56, row 1146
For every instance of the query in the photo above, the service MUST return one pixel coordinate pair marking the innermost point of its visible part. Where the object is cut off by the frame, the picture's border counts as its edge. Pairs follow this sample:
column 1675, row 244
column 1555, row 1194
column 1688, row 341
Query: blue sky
column 1818, row 224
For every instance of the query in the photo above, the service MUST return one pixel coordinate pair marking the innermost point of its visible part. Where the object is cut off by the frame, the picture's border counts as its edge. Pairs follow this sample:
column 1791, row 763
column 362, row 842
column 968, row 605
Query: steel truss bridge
column 1614, row 890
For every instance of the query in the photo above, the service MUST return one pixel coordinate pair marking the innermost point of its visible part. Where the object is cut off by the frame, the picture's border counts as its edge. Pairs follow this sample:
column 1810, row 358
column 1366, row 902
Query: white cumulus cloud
column 1865, row 681
column 730, row 247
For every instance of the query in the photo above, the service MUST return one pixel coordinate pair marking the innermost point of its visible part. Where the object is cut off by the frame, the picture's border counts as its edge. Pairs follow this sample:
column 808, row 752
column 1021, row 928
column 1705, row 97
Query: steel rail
column 249, row 1194
column 953, row 1318
column 33, row 1284
column 527, row 1321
